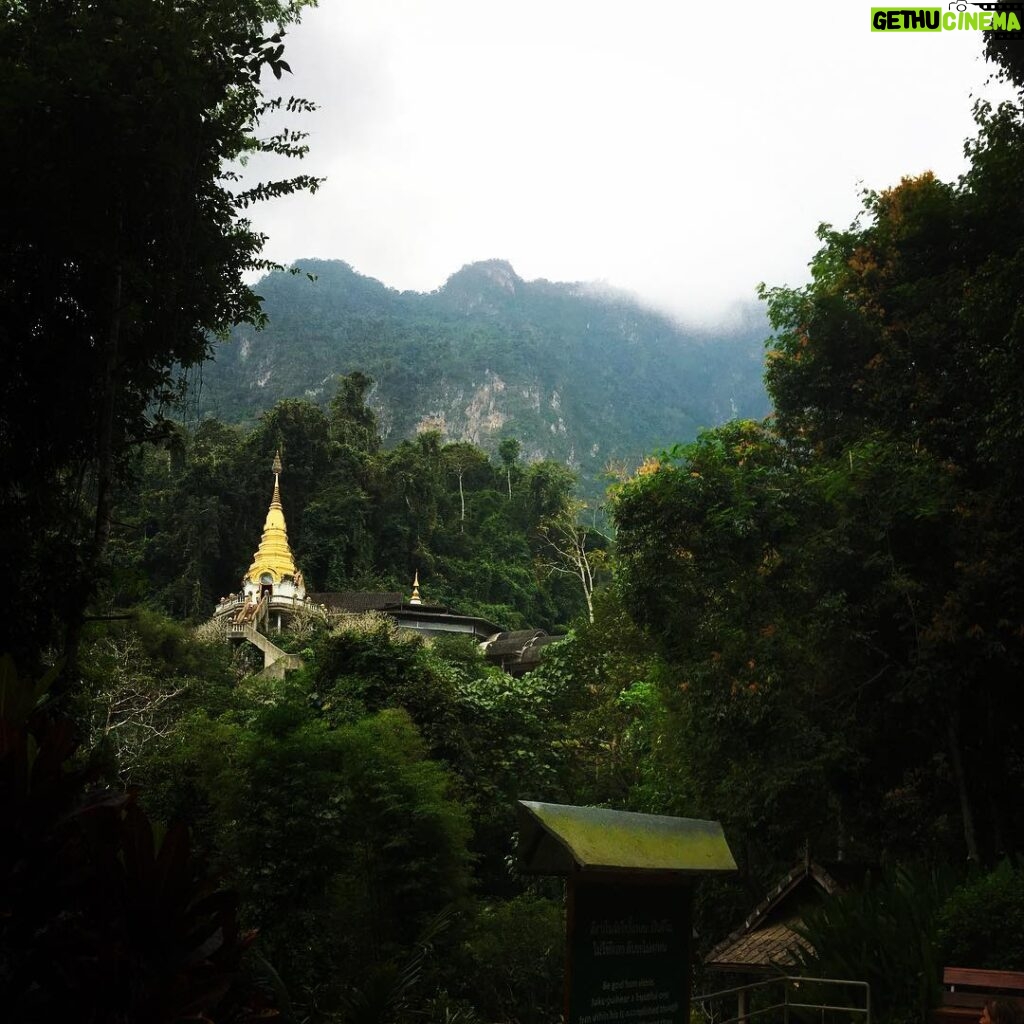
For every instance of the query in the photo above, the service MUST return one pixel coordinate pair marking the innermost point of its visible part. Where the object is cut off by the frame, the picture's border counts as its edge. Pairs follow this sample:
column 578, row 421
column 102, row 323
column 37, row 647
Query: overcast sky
column 683, row 151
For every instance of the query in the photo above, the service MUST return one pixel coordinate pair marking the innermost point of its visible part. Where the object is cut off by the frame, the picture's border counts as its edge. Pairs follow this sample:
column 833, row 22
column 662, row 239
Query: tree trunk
column 994, row 790
column 970, row 838
column 105, row 438
column 83, row 587
column 840, row 831
column 590, row 604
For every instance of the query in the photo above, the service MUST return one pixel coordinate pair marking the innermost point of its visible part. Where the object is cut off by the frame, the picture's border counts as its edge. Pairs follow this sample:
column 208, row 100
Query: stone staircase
column 275, row 661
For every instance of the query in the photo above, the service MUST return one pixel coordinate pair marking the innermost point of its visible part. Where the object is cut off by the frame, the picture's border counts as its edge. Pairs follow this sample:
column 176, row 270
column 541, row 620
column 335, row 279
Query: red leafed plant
column 99, row 922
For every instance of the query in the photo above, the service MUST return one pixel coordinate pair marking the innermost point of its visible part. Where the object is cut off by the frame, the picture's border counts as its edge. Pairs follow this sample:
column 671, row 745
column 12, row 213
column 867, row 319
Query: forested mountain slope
column 576, row 375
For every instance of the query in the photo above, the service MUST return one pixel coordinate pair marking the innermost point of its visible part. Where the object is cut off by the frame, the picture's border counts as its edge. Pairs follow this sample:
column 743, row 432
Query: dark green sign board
column 629, row 951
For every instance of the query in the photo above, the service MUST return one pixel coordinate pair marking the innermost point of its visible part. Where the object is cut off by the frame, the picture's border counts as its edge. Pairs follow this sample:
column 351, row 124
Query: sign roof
column 557, row 839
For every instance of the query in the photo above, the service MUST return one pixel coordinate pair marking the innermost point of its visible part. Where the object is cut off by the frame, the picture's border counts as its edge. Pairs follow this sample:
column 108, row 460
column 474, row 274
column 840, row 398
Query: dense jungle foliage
column 482, row 534
column 849, row 572
column 809, row 628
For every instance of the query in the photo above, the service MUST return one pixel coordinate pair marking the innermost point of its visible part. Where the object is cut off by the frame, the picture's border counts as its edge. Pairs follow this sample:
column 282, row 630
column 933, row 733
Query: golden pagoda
column 273, row 562
column 272, row 588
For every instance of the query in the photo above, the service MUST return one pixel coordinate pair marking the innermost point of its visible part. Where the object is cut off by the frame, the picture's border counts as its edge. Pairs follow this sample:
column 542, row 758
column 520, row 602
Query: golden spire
column 276, row 470
column 274, row 555
column 415, row 599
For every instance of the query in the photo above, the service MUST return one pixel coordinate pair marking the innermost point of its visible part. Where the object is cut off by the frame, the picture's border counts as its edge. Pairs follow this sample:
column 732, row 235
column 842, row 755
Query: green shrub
column 343, row 841
column 512, row 960
column 982, row 923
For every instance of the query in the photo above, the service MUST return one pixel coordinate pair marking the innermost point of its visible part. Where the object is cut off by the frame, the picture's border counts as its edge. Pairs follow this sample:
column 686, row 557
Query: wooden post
column 570, row 932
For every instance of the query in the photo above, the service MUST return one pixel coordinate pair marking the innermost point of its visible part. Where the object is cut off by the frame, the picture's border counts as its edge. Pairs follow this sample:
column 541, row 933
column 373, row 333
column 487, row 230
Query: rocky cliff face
column 575, row 375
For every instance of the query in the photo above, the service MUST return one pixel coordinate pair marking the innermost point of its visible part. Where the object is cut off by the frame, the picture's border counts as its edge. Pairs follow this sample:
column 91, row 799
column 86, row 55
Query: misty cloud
column 646, row 146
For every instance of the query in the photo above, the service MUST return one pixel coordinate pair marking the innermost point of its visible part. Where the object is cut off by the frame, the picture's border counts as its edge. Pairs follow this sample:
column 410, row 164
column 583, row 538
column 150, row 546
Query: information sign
column 629, row 957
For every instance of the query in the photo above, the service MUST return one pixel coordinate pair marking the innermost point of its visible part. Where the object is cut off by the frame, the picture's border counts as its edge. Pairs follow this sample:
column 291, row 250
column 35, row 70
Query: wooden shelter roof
column 765, row 940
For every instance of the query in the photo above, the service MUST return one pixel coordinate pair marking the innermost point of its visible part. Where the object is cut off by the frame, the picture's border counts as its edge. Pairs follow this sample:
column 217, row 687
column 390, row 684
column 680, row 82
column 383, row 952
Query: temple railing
column 254, row 615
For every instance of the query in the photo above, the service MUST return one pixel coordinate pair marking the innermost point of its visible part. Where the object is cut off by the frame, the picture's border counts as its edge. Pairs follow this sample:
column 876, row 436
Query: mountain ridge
column 577, row 373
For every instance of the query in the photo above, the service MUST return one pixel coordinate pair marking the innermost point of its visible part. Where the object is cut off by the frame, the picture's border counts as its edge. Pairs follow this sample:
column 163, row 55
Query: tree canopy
column 838, row 587
column 123, row 253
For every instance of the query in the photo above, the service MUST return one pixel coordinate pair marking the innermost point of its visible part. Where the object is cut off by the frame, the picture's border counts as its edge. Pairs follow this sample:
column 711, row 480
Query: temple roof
column 274, row 555
column 356, row 601
column 516, row 641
